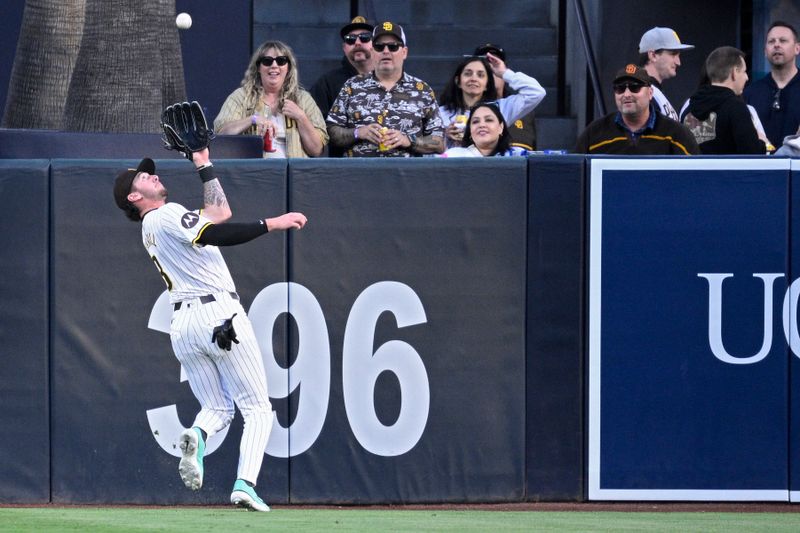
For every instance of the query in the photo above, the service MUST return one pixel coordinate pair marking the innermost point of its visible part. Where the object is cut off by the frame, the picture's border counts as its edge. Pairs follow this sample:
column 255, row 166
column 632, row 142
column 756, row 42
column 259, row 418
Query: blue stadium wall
column 557, row 328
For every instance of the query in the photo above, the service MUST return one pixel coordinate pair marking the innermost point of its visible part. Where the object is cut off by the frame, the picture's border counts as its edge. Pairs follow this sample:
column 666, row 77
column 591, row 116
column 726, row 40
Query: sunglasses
column 632, row 87
column 363, row 37
column 268, row 60
column 393, row 47
column 776, row 102
column 488, row 103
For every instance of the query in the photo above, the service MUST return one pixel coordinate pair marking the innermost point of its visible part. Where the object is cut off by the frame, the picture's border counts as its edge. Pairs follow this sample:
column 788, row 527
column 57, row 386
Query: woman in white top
column 486, row 135
column 473, row 82
column 270, row 99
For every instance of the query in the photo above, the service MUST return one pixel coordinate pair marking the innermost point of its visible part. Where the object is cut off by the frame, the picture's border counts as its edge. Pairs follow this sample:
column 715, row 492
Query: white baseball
column 183, row 21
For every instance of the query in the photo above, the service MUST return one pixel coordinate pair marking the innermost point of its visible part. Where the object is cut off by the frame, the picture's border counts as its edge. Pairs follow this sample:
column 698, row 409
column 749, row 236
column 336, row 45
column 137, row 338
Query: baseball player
column 210, row 332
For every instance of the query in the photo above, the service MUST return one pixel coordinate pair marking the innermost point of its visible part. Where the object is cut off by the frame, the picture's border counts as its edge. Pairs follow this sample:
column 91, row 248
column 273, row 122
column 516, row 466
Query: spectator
column 776, row 96
column 660, row 55
column 486, row 135
column 474, row 80
column 790, row 146
column 522, row 130
column 717, row 116
column 270, row 100
column 388, row 113
column 753, row 115
column 358, row 59
column 636, row 128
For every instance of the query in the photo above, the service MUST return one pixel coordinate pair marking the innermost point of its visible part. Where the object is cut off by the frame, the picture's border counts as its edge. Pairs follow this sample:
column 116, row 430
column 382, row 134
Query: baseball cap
column 632, row 72
column 491, row 48
column 358, row 23
column 389, row 28
column 122, row 185
column 661, row 39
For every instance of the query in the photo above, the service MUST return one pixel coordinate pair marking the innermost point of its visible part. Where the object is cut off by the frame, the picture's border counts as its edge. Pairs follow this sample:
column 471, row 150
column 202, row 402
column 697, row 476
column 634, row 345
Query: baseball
column 183, row 21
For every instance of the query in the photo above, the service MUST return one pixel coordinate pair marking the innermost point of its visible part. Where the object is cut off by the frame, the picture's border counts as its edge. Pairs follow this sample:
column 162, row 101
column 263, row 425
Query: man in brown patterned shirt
column 388, row 113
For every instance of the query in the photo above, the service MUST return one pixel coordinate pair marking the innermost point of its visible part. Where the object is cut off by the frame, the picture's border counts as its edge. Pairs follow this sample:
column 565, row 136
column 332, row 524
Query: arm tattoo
column 340, row 136
column 213, row 195
column 429, row 145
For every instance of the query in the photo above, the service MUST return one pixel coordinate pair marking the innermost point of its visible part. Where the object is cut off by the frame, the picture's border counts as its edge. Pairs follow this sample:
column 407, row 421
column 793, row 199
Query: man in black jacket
column 717, row 116
column 357, row 48
column 637, row 128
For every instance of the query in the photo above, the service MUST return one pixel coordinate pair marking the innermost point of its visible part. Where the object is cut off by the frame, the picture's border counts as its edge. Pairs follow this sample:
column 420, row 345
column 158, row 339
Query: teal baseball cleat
column 191, row 466
column 244, row 496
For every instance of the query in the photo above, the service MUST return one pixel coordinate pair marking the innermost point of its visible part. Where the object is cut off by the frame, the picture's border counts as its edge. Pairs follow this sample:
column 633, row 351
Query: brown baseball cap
column 358, row 23
column 633, row 73
column 122, row 185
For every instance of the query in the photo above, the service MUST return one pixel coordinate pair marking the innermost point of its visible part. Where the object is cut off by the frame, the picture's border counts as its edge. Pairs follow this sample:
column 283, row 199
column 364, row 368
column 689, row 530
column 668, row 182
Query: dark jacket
column 660, row 136
column 326, row 89
column 778, row 123
column 721, row 123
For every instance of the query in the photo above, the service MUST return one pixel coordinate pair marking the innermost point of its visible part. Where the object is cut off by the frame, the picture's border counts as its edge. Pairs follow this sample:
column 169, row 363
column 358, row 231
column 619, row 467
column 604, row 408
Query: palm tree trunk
column 47, row 49
column 128, row 66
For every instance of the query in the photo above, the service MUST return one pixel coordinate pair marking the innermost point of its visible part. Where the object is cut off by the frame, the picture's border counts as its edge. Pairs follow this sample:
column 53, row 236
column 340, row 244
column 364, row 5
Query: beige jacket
column 235, row 109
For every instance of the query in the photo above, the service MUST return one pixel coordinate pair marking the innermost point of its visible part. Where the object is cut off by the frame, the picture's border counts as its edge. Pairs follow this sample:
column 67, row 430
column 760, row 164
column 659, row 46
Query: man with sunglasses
column 388, row 113
column 358, row 59
column 637, row 128
column 776, row 96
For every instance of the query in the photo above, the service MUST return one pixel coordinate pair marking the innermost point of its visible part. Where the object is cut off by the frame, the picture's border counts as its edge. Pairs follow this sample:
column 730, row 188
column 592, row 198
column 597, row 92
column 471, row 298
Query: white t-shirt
column 663, row 105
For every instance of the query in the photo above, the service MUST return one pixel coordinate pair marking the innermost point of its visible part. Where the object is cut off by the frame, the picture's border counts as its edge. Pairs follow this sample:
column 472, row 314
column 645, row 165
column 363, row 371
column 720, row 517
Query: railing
column 590, row 59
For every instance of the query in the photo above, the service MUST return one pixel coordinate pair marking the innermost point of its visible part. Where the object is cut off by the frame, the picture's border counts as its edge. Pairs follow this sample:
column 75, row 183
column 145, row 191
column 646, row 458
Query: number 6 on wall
column 361, row 368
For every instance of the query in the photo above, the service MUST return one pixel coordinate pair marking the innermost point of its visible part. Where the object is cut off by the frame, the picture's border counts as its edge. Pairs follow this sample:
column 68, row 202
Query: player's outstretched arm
column 286, row 221
column 215, row 203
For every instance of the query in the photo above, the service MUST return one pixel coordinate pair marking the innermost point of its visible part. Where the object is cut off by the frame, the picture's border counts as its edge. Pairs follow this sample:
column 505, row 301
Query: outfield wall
column 441, row 331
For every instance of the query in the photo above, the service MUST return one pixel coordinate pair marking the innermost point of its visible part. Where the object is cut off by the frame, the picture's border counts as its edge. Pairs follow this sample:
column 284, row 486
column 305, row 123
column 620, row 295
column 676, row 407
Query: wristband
column 355, row 133
column 254, row 120
column 264, row 223
column 206, row 172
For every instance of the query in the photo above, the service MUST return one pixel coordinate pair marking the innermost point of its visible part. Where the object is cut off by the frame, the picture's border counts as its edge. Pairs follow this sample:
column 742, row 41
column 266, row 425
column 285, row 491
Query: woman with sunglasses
column 486, row 135
column 473, row 82
column 270, row 100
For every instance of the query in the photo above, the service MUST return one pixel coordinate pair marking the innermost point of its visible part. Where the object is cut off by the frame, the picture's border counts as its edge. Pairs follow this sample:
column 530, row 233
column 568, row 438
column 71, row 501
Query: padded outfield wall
column 441, row 331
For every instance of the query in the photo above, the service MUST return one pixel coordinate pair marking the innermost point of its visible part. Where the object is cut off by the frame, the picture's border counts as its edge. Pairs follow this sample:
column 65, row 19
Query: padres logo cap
column 389, row 28
column 632, row 72
column 661, row 39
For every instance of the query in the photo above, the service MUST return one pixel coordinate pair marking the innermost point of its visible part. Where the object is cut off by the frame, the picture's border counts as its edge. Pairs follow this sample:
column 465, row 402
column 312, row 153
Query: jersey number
column 163, row 274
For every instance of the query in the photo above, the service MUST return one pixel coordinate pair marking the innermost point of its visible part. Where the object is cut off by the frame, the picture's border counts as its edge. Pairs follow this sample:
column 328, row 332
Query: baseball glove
column 185, row 128
column 224, row 334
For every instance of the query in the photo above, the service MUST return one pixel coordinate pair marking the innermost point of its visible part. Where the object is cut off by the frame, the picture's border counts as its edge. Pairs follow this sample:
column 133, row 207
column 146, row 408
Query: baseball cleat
column 244, row 496
column 191, row 465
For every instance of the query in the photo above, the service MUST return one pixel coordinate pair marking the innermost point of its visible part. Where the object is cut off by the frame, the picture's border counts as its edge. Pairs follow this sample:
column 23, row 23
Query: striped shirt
column 170, row 234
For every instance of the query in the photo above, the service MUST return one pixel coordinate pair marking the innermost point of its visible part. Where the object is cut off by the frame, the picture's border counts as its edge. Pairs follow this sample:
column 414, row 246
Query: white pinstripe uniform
column 203, row 295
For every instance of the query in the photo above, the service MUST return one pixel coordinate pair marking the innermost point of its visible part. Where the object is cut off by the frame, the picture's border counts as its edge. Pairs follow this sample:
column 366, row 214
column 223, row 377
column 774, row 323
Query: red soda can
column 268, row 141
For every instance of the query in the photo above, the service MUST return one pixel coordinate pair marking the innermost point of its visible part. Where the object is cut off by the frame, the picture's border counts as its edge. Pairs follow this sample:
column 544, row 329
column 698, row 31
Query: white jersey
column 190, row 270
column 663, row 105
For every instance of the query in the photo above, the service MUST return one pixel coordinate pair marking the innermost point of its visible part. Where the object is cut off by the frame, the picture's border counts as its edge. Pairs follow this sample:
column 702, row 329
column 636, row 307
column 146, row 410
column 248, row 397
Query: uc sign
column 715, row 295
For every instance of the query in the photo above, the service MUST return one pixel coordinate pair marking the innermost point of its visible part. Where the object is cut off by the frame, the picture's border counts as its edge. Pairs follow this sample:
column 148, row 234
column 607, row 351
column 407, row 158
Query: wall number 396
column 311, row 368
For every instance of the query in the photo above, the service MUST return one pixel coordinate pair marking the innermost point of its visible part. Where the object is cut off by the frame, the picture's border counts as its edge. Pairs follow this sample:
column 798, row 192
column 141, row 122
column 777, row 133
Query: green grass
column 354, row 519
